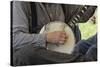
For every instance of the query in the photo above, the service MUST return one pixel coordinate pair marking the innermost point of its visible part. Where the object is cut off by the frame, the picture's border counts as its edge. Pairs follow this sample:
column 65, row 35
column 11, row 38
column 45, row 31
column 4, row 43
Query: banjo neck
column 75, row 19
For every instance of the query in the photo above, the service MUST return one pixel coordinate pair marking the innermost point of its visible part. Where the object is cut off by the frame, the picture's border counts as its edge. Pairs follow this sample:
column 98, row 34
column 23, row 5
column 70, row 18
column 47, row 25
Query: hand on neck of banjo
column 56, row 37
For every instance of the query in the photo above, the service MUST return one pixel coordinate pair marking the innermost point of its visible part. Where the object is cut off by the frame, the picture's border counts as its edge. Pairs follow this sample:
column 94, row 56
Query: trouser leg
column 87, row 49
column 81, row 47
column 28, row 56
column 91, row 54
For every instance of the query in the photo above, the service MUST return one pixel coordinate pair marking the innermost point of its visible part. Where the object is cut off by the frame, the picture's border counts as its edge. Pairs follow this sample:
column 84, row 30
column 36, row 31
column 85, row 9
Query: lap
column 32, row 55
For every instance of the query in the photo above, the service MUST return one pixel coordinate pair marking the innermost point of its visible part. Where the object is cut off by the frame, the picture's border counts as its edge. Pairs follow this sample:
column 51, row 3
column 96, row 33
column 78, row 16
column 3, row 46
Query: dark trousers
column 32, row 55
column 87, row 49
column 28, row 55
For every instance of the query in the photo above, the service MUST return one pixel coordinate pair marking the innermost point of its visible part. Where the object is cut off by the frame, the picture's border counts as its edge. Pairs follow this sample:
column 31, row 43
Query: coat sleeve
column 21, row 36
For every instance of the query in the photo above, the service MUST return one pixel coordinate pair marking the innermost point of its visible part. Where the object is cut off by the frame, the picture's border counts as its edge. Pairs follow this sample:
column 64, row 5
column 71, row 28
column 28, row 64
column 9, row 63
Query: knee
column 81, row 47
column 92, row 50
column 80, row 44
column 92, row 53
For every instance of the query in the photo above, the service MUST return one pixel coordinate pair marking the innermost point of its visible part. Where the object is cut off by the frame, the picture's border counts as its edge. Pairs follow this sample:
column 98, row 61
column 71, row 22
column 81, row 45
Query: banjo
column 69, row 44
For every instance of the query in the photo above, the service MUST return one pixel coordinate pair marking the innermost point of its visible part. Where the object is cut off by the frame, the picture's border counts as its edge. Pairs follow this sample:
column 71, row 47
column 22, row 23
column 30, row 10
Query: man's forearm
column 22, row 39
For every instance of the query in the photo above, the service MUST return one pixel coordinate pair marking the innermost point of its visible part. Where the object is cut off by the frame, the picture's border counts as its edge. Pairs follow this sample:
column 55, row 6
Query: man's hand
column 56, row 37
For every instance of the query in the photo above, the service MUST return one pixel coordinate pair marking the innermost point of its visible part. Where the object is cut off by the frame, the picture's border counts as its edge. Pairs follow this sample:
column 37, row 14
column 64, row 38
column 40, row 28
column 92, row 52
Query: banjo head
column 69, row 44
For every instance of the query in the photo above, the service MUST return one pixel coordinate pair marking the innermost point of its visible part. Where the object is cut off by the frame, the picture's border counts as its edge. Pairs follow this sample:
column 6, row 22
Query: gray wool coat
column 22, row 15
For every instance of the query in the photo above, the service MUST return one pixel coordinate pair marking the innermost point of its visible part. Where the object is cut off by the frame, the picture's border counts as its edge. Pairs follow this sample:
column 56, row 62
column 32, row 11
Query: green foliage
column 87, row 29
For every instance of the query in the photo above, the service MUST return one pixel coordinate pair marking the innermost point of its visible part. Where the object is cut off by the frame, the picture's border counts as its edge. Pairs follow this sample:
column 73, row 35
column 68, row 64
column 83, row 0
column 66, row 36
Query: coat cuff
column 40, row 40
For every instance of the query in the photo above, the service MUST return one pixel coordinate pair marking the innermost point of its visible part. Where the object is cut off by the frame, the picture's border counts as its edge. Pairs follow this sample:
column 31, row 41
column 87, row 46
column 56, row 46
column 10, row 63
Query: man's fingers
column 61, row 42
column 62, row 39
column 63, row 36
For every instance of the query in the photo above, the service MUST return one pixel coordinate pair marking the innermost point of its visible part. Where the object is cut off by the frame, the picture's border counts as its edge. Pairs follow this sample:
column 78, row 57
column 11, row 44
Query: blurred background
column 89, row 28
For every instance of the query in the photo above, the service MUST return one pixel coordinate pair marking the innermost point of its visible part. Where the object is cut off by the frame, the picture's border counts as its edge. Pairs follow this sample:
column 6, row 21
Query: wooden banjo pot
column 60, row 26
